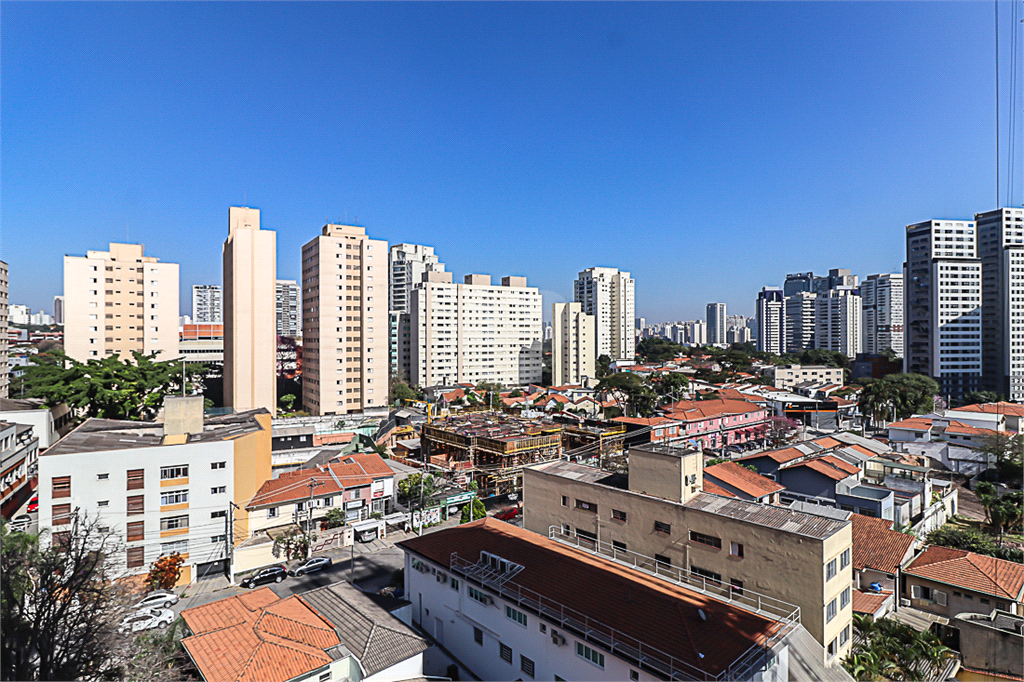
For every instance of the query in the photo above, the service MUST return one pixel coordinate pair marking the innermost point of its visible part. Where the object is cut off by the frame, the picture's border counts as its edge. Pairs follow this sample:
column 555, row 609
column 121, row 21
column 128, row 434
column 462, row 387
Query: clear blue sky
column 707, row 148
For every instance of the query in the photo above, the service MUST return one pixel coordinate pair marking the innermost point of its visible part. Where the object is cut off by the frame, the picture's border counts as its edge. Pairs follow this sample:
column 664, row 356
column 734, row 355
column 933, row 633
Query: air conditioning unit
column 489, row 599
column 557, row 639
column 904, row 602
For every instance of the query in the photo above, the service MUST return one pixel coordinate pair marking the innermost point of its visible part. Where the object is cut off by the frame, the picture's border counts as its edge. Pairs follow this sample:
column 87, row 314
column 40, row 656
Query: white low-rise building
column 48, row 423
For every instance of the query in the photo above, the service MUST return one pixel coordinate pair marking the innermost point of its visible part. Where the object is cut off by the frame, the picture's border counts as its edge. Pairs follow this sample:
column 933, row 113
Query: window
column 174, row 523
column 180, row 471
column 218, row 465
column 219, row 514
column 217, row 490
column 830, row 611
column 102, row 477
column 478, row 636
column 984, row 601
column 136, row 479
column 587, row 506
column 715, row 578
column 477, row 594
column 543, row 628
column 565, row 501
column 595, row 657
column 61, row 514
column 844, row 559
column 174, row 497
column 618, row 515
column 709, row 540
column 506, row 653
column 663, row 527
column 844, row 636
column 736, row 549
column 136, row 531
column 177, row 547
column 662, row 561
column 844, row 598
column 833, row 647
column 272, row 513
column 136, row 557
column 830, row 570
column 218, row 539
column 103, row 503
column 61, row 487
column 586, row 535
column 517, row 616
column 619, row 545
column 526, row 665
column 136, row 505
column 634, row 675
column 325, row 677
column 737, row 587
column 455, row 583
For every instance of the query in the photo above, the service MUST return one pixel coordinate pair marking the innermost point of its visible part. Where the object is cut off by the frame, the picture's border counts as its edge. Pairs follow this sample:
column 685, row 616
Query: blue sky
column 707, row 148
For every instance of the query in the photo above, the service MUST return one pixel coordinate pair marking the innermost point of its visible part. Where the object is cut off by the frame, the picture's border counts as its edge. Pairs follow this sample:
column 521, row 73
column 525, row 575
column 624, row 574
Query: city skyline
column 654, row 103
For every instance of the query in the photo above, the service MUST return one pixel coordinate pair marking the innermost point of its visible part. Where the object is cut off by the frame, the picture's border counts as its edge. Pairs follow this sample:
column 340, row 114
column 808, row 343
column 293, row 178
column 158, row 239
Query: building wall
column 779, row 564
column 788, row 376
column 573, row 347
column 610, row 296
column 882, row 300
column 287, row 309
column 207, row 304
column 250, row 339
column 800, row 321
column 985, row 647
column 837, row 321
column 771, row 321
column 716, row 314
column 252, row 468
column 958, row 600
column 1001, row 249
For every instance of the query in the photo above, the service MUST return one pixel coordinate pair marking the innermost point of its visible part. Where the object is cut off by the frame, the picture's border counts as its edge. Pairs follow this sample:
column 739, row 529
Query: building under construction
column 592, row 441
column 490, row 448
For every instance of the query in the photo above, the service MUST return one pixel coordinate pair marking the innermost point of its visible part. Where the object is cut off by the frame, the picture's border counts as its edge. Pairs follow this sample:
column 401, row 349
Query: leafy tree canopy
column 657, row 349
column 604, row 365
column 981, row 397
column 473, row 511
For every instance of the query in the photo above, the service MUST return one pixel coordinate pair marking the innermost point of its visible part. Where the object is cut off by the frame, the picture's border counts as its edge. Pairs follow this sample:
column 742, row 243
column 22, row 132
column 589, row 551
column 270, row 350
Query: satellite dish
column 702, row 616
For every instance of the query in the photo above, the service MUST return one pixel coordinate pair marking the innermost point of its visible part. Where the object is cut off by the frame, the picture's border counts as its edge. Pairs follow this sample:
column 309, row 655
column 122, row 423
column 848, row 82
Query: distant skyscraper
column 942, row 305
column 882, row 298
column 119, row 301
column 609, row 295
column 1001, row 249
column 641, row 322
column 771, row 321
column 250, row 324
column 289, row 316
column 207, row 304
column 697, row 333
column 572, row 344
column 837, row 321
column 716, row 315
column 800, row 321
column 797, row 282
column 345, row 334
column 58, row 310
column 837, row 277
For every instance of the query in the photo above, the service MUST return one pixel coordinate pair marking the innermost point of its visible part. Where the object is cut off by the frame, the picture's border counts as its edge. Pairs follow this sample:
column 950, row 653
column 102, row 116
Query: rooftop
column 353, row 471
column 493, row 426
column 743, row 479
column 876, row 545
column 833, row 467
column 691, row 410
column 1004, row 407
column 970, row 571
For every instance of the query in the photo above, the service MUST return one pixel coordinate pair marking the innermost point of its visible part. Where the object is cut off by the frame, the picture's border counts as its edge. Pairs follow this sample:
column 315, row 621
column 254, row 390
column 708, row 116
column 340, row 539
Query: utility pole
column 423, row 483
column 313, row 484
column 229, row 525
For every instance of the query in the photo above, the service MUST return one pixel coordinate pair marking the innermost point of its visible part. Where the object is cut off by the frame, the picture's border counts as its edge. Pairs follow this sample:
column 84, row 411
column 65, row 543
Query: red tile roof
column 781, row 456
column 912, row 424
column 975, row 572
column 257, row 637
column 868, row 602
column 961, row 429
column 828, row 467
column 352, row 471
column 644, row 421
column 743, row 479
column 827, row 442
column 711, row 487
column 1012, row 409
column 876, row 545
column 695, row 410
column 656, row 612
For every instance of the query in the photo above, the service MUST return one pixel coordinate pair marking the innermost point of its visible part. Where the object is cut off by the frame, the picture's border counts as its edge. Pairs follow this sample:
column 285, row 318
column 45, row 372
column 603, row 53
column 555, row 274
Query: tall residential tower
column 716, row 322
column 882, row 300
column 609, row 295
column 1001, row 249
column 572, row 344
column 207, row 304
column 771, row 321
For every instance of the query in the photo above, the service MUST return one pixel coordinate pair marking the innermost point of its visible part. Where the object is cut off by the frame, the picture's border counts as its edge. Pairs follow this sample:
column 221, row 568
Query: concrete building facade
column 1001, row 249
column 119, row 301
column 288, row 309
column 837, row 321
column 942, row 305
column 716, row 315
column 207, row 304
column 344, row 321
column 771, row 321
column 572, row 344
column 250, row 341
column 406, row 265
column 882, row 321
column 800, row 328
column 610, row 296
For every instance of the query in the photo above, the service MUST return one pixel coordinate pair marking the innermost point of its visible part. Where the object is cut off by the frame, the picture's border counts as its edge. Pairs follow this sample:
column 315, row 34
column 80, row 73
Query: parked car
column 146, row 619
column 158, row 599
column 312, row 565
column 507, row 514
column 21, row 523
column 271, row 574
column 33, row 504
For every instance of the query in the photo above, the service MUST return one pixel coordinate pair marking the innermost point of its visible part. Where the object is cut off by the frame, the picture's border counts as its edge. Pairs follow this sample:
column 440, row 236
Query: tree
column 334, row 518
column 402, row 391
column 473, row 511
column 287, row 401
column 886, row 649
column 165, row 572
column 972, row 540
column 109, row 388
column 780, row 430
column 980, row 398
column 294, row 544
column 409, row 487
column 669, row 386
column 657, row 349
column 604, row 366
column 516, row 393
column 1007, row 448
column 632, row 389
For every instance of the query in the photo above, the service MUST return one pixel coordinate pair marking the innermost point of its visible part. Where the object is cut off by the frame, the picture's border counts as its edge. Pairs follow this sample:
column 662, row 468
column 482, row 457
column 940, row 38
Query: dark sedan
column 271, row 574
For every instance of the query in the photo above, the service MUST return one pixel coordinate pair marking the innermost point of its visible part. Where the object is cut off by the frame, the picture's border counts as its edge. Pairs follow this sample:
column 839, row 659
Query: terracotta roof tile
column 711, row 487
column 743, row 479
column 912, row 424
column 1004, row 407
column 828, row 467
column 780, row 456
column 644, row 421
column 352, row 471
column 962, row 429
column 827, row 442
column 876, row 545
column 970, row 571
column 868, row 602
column 693, row 410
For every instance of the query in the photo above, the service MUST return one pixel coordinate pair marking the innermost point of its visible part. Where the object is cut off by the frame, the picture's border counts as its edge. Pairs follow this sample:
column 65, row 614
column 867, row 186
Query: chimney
column 183, row 415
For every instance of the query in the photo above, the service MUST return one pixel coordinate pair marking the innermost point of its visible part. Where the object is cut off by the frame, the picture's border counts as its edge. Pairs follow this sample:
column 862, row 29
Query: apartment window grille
column 136, row 557
column 663, row 527
column 506, row 653
column 526, row 665
column 136, row 504
column 136, row 531
column 618, row 515
column 167, row 473
column 61, row 514
column 136, row 479
column 709, row 540
column 478, row 636
column 61, row 487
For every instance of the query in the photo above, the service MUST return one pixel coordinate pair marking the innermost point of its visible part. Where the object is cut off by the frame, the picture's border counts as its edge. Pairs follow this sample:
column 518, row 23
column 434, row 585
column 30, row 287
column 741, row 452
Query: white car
column 146, row 619
column 157, row 599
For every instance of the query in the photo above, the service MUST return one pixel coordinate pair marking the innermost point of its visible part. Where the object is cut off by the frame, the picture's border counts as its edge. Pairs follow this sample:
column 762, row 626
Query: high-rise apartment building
column 716, row 315
column 882, row 300
column 207, row 304
column 771, row 321
column 837, row 277
column 837, row 321
column 475, row 331
column 797, row 282
column 5, row 379
column 406, row 265
column 289, row 315
column 739, row 335
column 609, row 295
column 344, row 321
column 120, row 301
column 250, row 339
column 697, row 333
column 58, row 310
column 800, row 321
column 1001, row 249
column 572, row 344
column 942, row 305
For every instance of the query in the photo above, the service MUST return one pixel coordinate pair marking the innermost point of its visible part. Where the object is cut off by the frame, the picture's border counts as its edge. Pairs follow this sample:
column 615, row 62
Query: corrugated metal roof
column 782, row 518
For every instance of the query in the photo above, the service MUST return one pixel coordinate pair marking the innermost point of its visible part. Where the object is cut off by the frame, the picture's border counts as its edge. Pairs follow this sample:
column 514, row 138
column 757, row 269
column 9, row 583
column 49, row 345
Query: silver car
column 157, row 599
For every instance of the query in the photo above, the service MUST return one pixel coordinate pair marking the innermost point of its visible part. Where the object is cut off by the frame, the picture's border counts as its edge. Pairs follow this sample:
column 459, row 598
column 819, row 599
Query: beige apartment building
column 788, row 376
column 573, row 339
column 475, row 331
column 610, row 296
column 344, row 321
column 250, row 315
column 119, row 301
column 661, row 511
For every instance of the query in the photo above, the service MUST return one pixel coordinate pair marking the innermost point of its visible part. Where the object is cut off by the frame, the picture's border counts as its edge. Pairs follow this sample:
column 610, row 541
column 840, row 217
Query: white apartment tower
column 716, row 315
column 5, row 380
column 475, row 331
column 800, row 321
column 1001, row 249
column 119, row 301
column 344, row 322
column 58, row 310
column 882, row 301
column 771, row 321
column 289, row 316
column 406, row 265
column 207, row 304
column 696, row 333
column 942, row 305
column 837, row 321
column 572, row 344
column 609, row 295
column 250, row 341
